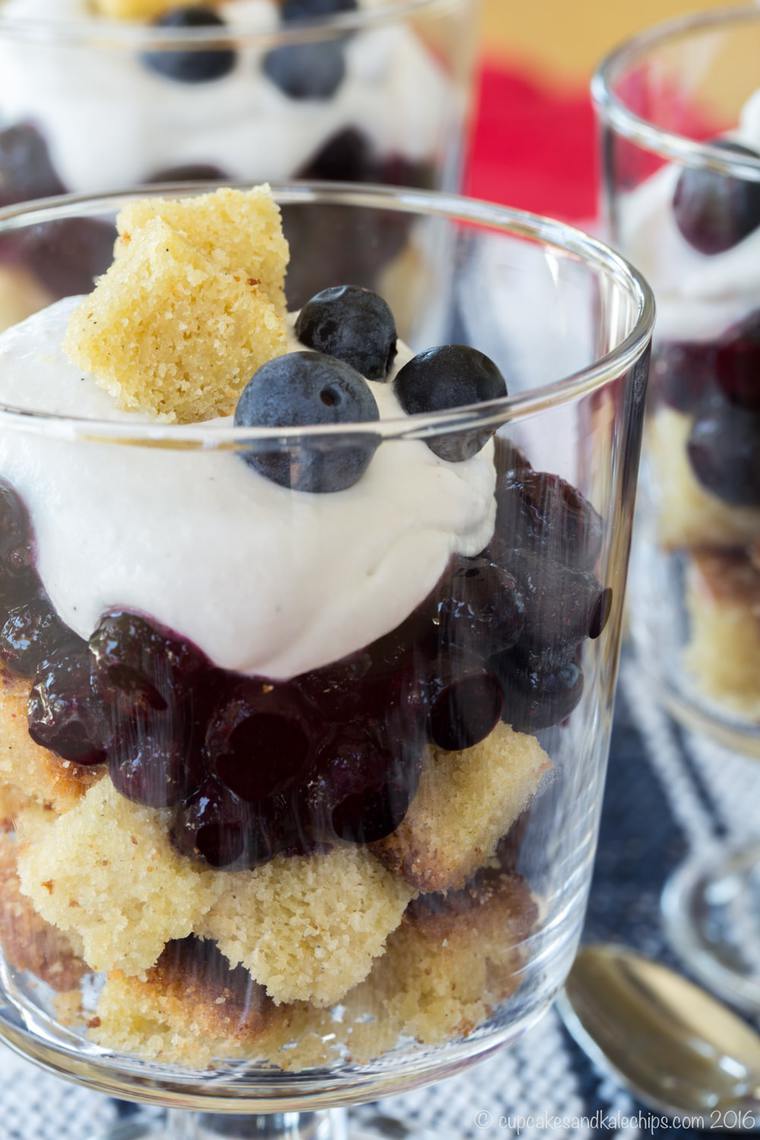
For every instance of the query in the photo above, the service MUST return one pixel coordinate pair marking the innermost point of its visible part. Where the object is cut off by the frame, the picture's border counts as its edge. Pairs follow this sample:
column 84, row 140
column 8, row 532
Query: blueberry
column 451, row 377
column 353, row 324
column 336, row 689
column 724, row 450
column 16, row 546
column 31, row 632
column 479, row 608
column 26, row 171
column 190, row 172
column 200, row 65
column 737, row 362
column 62, row 713
column 563, row 605
column 148, row 765
column 535, row 700
column 544, row 513
column 714, row 211
column 138, row 665
column 306, row 71
column 305, row 388
column 68, row 255
column 261, row 739
column 293, row 11
column 345, row 157
column 463, row 702
column 682, row 372
column 212, row 824
column 361, row 792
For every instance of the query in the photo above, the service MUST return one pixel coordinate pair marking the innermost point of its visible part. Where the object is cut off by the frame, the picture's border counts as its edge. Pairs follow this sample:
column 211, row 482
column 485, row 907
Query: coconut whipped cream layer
column 110, row 122
column 265, row 580
column 698, row 296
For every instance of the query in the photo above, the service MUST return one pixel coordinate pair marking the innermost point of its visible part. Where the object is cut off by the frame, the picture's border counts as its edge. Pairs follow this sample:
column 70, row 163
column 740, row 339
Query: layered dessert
column 276, row 710
column 695, row 233
column 378, row 104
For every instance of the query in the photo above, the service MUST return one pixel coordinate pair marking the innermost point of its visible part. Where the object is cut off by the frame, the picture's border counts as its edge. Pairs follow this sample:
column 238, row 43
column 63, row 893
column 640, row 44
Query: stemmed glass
column 680, row 116
column 427, row 911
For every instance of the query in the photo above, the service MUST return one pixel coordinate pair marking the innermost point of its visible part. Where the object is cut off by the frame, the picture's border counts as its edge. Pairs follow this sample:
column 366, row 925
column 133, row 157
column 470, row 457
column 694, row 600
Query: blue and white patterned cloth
column 668, row 794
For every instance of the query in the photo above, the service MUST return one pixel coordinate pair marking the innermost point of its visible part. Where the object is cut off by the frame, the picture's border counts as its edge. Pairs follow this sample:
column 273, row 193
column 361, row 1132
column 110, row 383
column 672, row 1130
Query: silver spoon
column 677, row 1049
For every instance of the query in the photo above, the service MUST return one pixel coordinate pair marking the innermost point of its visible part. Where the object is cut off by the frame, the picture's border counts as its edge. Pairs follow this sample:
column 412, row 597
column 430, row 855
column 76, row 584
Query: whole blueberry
column 540, row 511
column 25, row 168
column 737, row 362
column 479, row 608
column 682, row 371
column 293, row 11
column 353, row 324
column 563, row 605
column 62, row 713
column 534, row 699
column 302, row 389
column 451, row 376
column 724, row 450
column 306, row 71
column 191, row 65
column 31, row 632
column 345, row 157
column 714, row 211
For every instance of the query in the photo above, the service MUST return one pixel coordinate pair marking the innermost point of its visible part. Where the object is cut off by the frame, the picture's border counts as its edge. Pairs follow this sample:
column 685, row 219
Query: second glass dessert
column 309, row 643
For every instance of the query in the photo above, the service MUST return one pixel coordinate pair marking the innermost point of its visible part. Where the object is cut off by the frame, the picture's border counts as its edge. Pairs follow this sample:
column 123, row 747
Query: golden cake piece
column 465, row 802
column 723, row 655
column 106, row 871
column 28, row 942
column 452, row 960
column 190, row 1009
column 308, row 927
column 689, row 516
column 33, row 771
column 237, row 230
column 446, row 967
column 188, row 310
column 140, row 9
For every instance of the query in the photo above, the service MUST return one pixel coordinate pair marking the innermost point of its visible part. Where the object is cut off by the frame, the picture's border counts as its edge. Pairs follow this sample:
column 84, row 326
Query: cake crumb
column 175, row 328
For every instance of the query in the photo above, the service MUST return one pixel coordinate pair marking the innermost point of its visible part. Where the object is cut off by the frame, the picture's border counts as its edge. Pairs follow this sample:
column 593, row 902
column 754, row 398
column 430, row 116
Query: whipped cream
column 110, row 122
column 265, row 580
column 698, row 296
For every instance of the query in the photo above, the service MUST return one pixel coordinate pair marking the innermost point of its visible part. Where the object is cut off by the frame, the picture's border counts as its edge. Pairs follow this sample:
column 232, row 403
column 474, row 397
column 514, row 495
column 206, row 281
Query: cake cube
column 105, row 871
column 308, row 927
column 176, row 327
column 464, row 804
column 138, row 9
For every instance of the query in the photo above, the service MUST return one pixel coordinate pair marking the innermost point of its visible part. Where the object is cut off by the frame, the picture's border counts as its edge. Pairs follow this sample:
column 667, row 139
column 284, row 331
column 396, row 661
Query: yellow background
column 564, row 39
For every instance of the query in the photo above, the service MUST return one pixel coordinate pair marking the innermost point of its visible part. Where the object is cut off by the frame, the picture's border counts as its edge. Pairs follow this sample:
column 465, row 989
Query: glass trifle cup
column 305, row 727
column 96, row 95
column 680, row 114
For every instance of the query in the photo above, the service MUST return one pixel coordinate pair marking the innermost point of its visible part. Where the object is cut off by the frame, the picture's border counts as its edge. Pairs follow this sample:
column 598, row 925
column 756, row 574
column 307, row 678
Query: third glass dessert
column 306, row 667
column 681, row 112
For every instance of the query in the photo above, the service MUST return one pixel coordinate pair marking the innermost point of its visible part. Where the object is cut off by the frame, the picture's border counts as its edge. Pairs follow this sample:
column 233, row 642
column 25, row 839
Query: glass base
column 711, row 907
column 328, row 1125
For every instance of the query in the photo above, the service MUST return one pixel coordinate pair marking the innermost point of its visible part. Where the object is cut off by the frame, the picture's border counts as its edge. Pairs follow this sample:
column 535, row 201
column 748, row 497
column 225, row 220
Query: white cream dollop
column 264, row 580
column 698, row 296
column 111, row 122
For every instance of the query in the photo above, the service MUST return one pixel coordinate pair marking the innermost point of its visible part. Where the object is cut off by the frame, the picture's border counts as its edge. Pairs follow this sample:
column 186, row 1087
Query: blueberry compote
column 247, row 768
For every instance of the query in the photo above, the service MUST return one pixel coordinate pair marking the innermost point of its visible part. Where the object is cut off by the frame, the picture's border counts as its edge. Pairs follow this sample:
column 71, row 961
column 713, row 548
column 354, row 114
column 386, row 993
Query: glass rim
column 615, row 112
column 134, row 36
column 561, row 237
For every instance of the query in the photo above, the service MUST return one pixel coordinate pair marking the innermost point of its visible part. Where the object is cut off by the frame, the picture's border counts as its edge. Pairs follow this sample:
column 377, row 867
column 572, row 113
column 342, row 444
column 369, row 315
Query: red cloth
column 533, row 147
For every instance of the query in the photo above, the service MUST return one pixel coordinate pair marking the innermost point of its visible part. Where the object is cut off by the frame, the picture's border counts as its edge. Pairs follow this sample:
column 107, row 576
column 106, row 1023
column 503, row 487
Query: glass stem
column 329, row 1125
